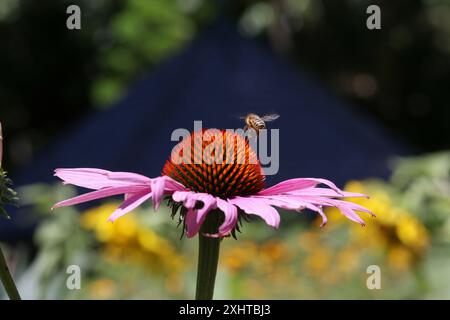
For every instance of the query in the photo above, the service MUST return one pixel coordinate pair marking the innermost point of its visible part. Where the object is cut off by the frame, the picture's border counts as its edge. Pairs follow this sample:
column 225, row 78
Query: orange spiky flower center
column 218, row 162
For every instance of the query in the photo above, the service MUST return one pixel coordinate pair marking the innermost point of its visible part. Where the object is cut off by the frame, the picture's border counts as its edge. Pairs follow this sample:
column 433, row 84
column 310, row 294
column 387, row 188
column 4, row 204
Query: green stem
column 208, row 257
column 421, row 280
column 7, row 280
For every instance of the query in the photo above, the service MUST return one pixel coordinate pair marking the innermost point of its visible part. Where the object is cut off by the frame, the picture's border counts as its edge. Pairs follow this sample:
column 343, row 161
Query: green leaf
column 7, row 195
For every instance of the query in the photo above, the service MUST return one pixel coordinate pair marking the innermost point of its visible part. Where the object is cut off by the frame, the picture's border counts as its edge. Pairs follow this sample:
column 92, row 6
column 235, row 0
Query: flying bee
column 255, row 122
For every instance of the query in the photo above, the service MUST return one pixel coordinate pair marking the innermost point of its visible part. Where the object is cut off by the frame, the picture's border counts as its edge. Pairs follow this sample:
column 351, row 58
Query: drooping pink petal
column 336, row 203
column 324, row 192
column 135, row 188
column 231, row 216
column 173, row 185
column 193, row 222
column 259, row 207
column 347, row 208
column 284, row 201
column 195, row 217
column 297, row 184
column 157, row 191
column 350, row 214
column 290, row 202
column 161, row 186
column 322, row 215
column 209, row 201
column 98, row 194
column 92, row 178
column 354, row 206
column 184, row 196
column 132, row 178
column 131, row 203
column 128, row 195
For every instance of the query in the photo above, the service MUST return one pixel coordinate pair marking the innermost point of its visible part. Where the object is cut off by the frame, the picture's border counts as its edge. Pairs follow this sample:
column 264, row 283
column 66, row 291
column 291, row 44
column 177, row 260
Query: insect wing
column 270, row 117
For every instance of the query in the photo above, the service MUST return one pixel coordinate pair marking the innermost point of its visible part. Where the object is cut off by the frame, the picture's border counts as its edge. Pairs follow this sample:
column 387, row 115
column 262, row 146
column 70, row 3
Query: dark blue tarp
column 219, row 77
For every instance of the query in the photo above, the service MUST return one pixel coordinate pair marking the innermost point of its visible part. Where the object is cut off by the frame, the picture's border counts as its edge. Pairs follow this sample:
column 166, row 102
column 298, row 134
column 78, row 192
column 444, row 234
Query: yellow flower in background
column 102, row 289
column 128, row 240
column 347, row 260
column 265, row 257
column 394, row 231
column 239, row 256
column 174, row 283
column 96, row 220
column 332, row 256
column 318, row 262
column 412, row 233
column 273, row 251
column 308, row 240
column 400, row 258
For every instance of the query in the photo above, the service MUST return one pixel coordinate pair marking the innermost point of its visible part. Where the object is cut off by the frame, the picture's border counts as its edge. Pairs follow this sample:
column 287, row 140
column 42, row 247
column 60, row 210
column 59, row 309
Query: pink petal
column 130, row 204
column 209, row 202
column 354, row 206
column 173, row 185
column 98, row 179
column 294, row 203
column 164, row 185
column 195, row 217
column 259, row 207
column 128, row 195
column 284, row 201
column 193, row 222
column 157, row 191
column 324, row 192
column 231, row 217
column 98, row 194
column 322, row 215
column 190, row 198
column 132, row 178
column 185, row 197
column 344, row 206
column 350, row 214
column 135, row 187
column 297, row 184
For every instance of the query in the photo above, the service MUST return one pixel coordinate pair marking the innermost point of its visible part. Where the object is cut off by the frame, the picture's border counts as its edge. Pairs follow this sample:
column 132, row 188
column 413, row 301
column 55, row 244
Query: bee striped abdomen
column 258, row 123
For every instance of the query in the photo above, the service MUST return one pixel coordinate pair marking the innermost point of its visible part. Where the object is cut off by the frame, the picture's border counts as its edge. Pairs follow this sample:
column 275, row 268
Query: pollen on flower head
column 218, row 162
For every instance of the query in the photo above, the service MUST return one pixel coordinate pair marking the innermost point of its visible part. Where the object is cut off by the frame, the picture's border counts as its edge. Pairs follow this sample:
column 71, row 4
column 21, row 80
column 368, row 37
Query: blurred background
column 366, row 108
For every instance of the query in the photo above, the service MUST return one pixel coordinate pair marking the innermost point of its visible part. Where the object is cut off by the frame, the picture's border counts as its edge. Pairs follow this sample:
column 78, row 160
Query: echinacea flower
column 226, row 180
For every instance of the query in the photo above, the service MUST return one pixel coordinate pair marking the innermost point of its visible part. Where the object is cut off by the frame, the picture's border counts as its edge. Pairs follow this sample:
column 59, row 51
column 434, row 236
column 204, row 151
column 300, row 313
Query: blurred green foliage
column 424, row 183
column 142, row 34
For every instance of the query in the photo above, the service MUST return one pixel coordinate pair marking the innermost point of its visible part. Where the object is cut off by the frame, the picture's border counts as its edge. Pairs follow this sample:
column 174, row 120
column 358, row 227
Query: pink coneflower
column 235, row 189
column 211, row 195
